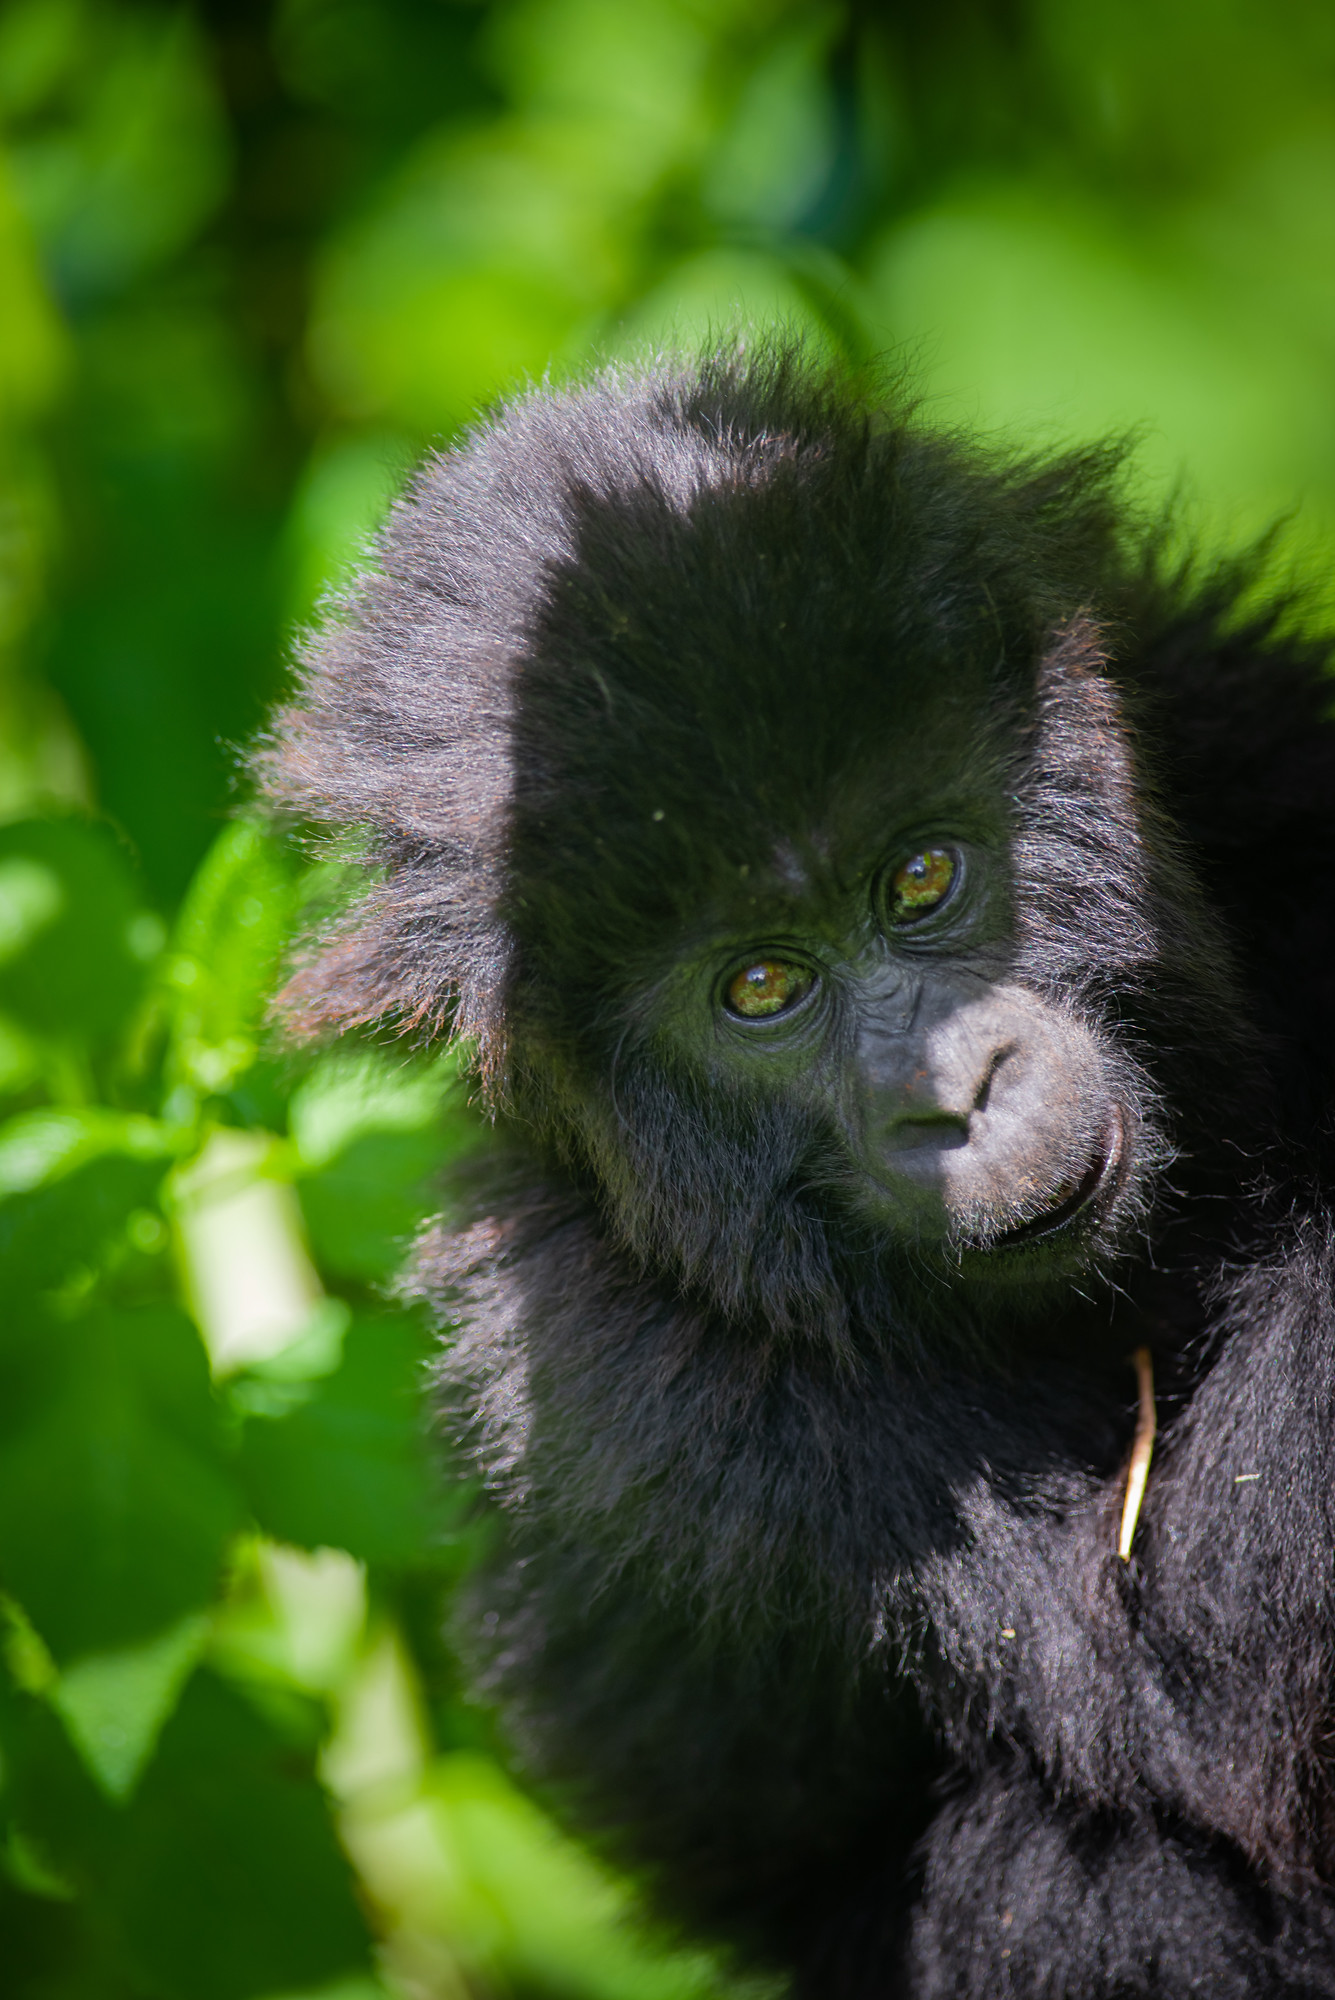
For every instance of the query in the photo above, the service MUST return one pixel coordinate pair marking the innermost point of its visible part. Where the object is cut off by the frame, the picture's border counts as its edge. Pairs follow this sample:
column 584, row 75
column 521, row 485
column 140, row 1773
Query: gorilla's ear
column 413, row 804
column 1081, row 738
column 1078, row 845
column 396, row 744
column 360, row 966
column 413, row 953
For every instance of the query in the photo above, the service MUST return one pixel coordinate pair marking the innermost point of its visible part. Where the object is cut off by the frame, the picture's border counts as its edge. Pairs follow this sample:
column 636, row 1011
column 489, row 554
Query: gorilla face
column 834, row 921
column 875, row 1017
column 854, row 1042
column 943, row 1104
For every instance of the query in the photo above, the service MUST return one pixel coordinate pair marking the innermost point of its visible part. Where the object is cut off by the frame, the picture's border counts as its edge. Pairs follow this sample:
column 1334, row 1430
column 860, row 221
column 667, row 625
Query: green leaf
column 148, row 160
column 26, row 1866
column 64, row 1821
column 229, row 1882
column 372, row 1132
column 219, row 1879
column 31, row 898
column 562, row 1921
column 73, row 936
column 250, row 1282
column 292, row 1618
column 39, row 1147
column 69, row 1225
column 274, row 1384
column 114, row 1502
column 26, row 1652
column 364, row 1210
column 350, row 1093
column 225, row 955
column 359, row 1987
column 463, row 1857
column 353, row 1468
column 115, row 1704
column 20, row 1058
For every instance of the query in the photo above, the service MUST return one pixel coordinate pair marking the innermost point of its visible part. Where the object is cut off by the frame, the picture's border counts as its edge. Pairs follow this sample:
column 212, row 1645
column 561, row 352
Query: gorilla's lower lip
column 1098, row 1172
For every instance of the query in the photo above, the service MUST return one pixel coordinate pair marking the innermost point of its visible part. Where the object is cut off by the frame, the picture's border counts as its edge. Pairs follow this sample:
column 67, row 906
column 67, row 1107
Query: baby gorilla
column 893, row 911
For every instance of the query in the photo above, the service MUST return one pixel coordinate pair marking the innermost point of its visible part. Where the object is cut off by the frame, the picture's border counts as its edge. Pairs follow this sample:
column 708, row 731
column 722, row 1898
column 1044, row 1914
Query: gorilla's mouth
column 1076, row 1198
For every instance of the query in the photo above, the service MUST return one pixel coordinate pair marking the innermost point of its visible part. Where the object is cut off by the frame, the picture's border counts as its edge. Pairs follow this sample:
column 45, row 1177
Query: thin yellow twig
column 1141, row 1452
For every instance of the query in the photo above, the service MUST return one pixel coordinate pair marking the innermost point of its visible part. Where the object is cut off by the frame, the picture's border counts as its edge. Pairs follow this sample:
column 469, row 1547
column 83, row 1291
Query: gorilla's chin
column 1087, row 1197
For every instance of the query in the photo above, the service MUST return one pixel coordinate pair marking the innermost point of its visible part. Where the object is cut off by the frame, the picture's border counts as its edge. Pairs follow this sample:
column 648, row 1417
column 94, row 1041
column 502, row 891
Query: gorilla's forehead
column 664, row 828
column 672, row 653
column 761, row 663
column 787, row 771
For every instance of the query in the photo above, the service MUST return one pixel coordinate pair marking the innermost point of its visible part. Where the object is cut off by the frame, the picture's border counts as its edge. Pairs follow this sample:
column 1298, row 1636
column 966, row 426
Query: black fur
column 810, row 1596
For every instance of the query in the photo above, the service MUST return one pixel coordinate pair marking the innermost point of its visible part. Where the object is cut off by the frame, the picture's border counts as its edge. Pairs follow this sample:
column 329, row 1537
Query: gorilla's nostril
column 911, row 1135
column 997, row 1058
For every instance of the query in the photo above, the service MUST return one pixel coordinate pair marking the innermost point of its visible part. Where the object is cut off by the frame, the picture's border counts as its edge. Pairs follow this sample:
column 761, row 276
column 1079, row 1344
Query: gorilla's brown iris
column 921, row 884
column 770, row 986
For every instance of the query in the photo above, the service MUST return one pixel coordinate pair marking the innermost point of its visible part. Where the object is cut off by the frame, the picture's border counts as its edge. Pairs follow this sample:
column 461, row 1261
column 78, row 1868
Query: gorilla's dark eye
column 770, row 986
column 921, row 884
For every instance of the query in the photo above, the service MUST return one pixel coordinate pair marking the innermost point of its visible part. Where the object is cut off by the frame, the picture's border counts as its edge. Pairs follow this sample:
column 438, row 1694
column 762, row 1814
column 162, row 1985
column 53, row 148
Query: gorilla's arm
column 1235, row 1584
column 1200, row 1673
column 1025, row 1896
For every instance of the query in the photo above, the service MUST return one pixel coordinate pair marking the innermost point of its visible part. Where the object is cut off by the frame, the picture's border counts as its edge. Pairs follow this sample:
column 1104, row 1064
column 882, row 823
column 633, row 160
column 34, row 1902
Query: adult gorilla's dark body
column 897, row 926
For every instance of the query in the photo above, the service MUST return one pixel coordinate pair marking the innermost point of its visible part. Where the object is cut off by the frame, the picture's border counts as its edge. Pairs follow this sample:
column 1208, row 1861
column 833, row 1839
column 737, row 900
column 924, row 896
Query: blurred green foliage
column 253, row 258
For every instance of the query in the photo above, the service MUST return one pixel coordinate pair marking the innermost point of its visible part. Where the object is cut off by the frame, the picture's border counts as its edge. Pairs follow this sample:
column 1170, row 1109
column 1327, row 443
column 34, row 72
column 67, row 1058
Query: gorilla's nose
column 927, row 1085
column 995, row 1103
